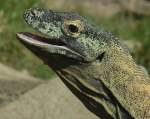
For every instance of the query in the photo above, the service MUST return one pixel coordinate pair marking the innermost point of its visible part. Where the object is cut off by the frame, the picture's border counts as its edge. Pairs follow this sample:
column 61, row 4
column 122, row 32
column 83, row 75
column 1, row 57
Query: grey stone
column 25, row 97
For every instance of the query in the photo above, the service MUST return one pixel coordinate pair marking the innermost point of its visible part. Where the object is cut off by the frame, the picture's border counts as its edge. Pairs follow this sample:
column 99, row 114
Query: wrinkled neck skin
column 112, row 84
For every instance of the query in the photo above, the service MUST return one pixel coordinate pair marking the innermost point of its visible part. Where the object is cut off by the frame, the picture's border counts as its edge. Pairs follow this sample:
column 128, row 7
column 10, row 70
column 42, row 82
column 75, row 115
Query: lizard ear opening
column 100, row 57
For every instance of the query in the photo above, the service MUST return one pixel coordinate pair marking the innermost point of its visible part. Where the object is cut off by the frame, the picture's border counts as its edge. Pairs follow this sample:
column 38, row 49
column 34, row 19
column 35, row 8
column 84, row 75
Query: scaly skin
column 93, row 64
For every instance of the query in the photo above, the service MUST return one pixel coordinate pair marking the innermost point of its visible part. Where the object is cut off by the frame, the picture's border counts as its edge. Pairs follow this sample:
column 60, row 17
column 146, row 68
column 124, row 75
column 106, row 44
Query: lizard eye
column 73, row 28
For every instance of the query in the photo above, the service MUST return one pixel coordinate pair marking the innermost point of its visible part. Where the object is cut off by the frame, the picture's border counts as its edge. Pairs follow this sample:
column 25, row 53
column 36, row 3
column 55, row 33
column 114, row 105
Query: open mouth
column 51, row 45
column 40, row 39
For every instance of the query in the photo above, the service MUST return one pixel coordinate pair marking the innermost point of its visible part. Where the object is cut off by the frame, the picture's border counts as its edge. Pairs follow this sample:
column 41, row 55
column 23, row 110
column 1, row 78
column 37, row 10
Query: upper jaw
column 51, row 45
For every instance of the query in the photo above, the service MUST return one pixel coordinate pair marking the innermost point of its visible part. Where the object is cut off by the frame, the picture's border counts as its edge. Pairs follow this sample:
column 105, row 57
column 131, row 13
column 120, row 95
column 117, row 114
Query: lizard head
column 67, row 34
column 76, row 50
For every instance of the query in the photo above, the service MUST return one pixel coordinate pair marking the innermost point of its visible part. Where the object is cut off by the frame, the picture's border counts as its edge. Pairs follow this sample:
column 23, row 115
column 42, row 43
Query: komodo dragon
column 93, row 64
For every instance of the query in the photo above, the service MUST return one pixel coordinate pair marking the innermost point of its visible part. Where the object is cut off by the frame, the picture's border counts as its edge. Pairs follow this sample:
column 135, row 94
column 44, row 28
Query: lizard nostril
column 32, row 13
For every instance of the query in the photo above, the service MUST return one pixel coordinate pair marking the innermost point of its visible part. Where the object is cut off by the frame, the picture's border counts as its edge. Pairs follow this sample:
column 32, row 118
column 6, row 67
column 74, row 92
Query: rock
column 51, row 100
column 13, row 84
column 25, row 97
column 101, row 8
column 92, row 7
column 141, row 7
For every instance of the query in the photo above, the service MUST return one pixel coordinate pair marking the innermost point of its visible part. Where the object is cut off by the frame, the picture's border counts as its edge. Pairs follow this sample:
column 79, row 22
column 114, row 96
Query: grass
column 15, row 55
column 135, row 29
column 12, row 52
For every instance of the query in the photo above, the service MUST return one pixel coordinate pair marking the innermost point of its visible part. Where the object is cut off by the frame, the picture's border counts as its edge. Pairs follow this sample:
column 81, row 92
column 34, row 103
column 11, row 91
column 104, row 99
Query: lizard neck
column 126, row 80
column 119, row 63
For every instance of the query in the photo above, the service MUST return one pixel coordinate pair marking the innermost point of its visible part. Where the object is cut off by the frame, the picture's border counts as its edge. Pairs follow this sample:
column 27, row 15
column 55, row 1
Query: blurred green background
column 127, row 20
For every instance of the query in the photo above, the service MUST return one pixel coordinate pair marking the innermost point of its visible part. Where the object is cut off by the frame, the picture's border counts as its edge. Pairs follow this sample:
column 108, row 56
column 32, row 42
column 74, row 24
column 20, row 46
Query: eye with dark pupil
column 72, row 28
